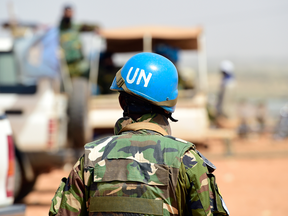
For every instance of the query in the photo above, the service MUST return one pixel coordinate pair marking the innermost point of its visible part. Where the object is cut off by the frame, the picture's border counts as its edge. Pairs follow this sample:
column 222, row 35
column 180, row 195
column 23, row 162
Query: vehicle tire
column 79, row 131
column 18, row 178
column 22, row 186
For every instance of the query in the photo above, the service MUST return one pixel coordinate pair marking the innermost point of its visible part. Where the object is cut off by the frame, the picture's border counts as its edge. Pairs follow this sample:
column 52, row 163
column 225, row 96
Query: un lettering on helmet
column 141, row 75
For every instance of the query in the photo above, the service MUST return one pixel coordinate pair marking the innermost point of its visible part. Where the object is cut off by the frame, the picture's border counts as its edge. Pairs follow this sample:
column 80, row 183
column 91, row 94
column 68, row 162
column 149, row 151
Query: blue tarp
column 38, row 56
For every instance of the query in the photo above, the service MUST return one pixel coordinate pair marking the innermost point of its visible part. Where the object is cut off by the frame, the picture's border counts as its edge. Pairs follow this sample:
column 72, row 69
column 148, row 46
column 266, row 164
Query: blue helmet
column 149, row 76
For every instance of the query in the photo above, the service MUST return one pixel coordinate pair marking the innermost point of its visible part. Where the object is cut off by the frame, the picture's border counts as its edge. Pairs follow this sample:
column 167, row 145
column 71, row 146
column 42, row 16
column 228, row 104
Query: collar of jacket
column 150, row 117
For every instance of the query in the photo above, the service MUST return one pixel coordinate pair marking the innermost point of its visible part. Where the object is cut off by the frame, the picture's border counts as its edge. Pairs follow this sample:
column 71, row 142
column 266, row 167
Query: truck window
column 8, row 73
column 9, row 82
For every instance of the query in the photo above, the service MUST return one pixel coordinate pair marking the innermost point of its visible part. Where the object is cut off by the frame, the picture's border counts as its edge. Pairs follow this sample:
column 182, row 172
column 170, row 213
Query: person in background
column 107, row 71
column 281, row 128
column 227, row 71
column 71, row 43
column 217, row 115
column 244, row 113
column 142, row 169
column 261, row 115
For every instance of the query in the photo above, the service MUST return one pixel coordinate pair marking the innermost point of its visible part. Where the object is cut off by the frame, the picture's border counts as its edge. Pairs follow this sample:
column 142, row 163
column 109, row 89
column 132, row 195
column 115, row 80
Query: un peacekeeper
column 142, row 169
column 71, row 43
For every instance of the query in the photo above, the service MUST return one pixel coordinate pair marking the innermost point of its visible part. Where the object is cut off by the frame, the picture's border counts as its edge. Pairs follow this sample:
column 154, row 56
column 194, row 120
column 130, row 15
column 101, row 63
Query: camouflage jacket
column 140, row 173
column 71, row 43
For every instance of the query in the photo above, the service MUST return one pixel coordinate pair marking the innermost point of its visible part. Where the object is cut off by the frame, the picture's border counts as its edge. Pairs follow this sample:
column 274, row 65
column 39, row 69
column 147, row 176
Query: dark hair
column 67, row 7
column 135, row 105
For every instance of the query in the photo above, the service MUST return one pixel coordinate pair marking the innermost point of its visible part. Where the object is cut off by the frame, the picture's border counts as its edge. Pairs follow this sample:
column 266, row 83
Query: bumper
column 13, row 210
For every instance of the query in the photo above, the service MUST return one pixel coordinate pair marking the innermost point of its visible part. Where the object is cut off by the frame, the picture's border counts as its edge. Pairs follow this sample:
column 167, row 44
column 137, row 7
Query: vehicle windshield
column 8, row 71
column 9, row 79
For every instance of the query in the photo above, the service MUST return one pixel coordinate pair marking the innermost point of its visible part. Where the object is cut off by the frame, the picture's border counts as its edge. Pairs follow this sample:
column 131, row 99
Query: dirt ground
column 252, row 178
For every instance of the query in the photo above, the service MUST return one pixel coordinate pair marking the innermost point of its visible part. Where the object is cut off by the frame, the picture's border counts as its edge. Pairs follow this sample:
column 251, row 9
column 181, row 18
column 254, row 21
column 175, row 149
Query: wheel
column 79, row 131
column 22, row 186
column 18, row 178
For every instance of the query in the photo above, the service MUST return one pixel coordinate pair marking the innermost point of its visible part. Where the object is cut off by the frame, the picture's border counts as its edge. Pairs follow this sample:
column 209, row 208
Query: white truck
column 7, row 171
column 7, row 160
column 41, row 106
column 191, row 110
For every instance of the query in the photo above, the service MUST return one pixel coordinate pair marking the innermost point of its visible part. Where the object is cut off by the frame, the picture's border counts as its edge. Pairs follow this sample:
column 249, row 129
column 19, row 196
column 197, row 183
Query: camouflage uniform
column 71, row 44
column 140, row 173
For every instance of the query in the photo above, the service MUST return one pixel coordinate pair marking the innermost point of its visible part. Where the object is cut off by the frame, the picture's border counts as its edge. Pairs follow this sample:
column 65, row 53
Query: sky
column 253, row 34
column 239, row 29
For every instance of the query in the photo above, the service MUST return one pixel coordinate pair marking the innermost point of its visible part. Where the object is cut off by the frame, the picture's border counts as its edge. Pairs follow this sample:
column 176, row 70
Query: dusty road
column 252, row 185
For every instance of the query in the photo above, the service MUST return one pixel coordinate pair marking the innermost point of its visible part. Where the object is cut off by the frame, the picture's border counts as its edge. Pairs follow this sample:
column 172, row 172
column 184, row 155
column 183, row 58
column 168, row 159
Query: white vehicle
column 191, row 108
column 7, row 160
column 35, row 96
column 7, row 171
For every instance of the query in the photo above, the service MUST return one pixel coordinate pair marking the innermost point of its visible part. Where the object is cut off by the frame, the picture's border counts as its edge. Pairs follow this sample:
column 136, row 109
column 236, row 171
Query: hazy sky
column 239, row 28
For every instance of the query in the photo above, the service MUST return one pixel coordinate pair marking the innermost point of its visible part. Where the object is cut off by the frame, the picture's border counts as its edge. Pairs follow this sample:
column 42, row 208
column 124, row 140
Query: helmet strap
column 171, row 118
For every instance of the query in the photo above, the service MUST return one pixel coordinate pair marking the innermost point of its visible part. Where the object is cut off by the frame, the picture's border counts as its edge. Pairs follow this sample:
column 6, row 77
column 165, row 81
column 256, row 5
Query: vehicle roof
column 130, row 39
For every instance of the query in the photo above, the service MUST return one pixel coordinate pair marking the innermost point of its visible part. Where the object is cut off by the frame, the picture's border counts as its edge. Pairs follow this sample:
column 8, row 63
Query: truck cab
column 36, row 107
